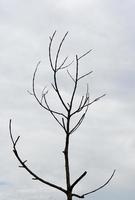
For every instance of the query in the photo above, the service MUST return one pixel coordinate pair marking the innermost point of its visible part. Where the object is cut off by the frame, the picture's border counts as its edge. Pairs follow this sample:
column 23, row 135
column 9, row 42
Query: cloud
column 106, row 138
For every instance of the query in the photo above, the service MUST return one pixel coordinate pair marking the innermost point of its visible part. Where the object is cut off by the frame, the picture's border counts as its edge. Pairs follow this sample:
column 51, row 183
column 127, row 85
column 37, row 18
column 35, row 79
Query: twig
column 84, row 54
column 73, row 185
column 50, row 55
column 59, row 48
column 70, row 76
column 84, row 75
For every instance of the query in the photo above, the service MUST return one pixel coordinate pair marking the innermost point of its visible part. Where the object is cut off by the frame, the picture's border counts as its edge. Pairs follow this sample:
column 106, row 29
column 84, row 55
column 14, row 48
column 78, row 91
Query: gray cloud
column 106, row 139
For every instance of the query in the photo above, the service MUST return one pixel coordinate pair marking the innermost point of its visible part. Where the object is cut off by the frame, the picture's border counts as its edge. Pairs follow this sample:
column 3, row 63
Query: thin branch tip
column 16, row 140
column 30, row 92
column 78, row 179
column 102, row 186
column 34, row 179
column 85, row 54
column 51, row 37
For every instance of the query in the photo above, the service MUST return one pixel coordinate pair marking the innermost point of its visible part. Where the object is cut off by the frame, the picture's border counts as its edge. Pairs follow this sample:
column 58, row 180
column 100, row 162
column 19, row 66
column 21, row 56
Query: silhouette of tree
column 64, row 119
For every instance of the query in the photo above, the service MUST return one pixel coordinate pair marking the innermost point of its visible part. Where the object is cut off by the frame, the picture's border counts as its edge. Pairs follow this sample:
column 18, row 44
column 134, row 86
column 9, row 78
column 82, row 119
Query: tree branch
column 84, row 54
column 71, row 76
column 50, row 45
column 57, row 90
column 35, row 95
column 85, row 104
column 55, row 68
column 95, row 190
column 84, row 75
column 79, row 122
column 96, row 99
column 80, row 177
column 75, row 84
column 61, row 66
column 36, row 177
column 58, row 52
column 52, row 112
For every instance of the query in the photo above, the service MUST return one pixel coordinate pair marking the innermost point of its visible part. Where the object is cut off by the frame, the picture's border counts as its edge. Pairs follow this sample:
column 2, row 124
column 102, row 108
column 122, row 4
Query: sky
column 106, row 139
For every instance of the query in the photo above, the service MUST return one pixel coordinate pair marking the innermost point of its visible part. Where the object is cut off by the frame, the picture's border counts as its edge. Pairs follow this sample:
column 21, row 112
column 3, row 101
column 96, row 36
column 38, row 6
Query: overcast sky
column 106, row 139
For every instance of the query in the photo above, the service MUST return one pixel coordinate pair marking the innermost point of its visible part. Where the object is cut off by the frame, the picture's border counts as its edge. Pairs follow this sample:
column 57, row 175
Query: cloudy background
column 106, row 139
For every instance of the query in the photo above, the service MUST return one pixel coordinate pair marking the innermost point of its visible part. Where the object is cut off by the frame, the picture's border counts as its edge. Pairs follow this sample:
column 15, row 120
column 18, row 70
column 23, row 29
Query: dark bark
column 64, row 120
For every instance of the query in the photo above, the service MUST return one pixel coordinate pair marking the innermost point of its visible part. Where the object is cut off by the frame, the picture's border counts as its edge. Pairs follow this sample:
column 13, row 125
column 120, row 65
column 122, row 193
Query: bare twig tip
column 30, row 92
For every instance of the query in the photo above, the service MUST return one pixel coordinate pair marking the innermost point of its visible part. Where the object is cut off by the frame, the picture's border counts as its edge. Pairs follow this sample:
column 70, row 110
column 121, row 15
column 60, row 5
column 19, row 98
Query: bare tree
column 64, row 119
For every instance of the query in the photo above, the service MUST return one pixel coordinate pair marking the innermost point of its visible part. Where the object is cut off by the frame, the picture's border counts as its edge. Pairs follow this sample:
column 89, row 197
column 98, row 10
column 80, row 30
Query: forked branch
column 95, row 190
column 36, row 97
column 77, row 180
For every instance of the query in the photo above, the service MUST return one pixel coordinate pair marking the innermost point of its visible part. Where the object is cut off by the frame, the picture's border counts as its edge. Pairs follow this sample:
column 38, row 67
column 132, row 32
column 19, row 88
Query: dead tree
column 64, row 119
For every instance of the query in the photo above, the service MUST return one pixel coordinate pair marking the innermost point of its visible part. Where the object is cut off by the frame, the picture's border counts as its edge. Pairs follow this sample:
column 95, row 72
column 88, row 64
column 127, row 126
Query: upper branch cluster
column 68, row 106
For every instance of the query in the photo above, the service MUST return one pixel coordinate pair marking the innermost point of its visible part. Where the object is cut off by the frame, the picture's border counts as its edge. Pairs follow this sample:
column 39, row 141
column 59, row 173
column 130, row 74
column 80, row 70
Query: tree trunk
column 69, row 196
